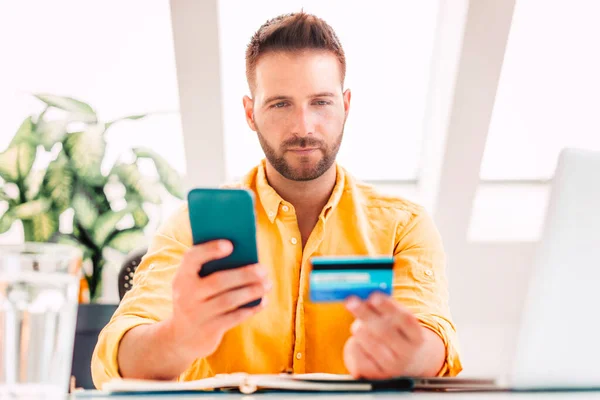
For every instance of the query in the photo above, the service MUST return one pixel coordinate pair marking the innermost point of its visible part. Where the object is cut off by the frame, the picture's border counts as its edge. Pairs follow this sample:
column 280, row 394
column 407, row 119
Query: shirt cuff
column 452, row 365
column 105, row 365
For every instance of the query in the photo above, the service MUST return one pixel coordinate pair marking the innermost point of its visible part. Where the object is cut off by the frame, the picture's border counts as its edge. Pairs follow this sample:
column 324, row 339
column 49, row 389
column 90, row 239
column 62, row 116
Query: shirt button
column 271, row 214
column 294, row 241
column 429, row 272
column 151, row 267
column 285, row 208
column 298, row 355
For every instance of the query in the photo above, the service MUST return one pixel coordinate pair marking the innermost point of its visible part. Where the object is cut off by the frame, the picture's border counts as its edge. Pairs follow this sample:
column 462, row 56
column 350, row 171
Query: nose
column 303, row 122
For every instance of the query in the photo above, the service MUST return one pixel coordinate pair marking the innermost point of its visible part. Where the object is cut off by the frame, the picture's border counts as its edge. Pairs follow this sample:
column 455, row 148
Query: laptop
column 558, row 344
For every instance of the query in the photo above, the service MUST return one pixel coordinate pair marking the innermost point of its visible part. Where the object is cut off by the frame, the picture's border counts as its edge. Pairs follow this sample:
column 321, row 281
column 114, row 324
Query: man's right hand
column 205, row 308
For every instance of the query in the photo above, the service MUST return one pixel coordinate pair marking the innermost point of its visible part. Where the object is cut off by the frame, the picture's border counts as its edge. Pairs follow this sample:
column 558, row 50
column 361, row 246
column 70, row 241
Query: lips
column 304, row 149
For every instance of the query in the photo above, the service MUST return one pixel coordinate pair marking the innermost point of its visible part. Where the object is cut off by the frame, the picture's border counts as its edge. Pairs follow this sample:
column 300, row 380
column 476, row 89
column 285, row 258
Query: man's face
column 298, row 111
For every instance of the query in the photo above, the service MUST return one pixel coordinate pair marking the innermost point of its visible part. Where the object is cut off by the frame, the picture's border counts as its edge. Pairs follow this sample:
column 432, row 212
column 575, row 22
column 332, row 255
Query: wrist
column 176, row 348
column 432, row 354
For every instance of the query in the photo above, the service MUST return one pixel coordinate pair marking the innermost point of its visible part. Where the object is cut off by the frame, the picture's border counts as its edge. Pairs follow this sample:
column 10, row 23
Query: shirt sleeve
column 149, row 300
column 420, row 283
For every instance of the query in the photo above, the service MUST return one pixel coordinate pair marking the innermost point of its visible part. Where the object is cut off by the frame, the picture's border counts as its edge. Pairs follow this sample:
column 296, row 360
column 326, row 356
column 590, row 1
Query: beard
column 308, row 169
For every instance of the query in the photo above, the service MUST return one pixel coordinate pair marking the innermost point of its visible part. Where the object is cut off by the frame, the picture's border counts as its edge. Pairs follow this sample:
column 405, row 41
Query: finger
column 233, row 299
column 402, row 352
column 385, row 324
column 380, row 351
column 369, row 368
column 383, row 331
column 200, row 254
column 352, row 359
column 236, row 317
column 360, row 309
column 396, row 316
column 357, row 363
column 223, row 281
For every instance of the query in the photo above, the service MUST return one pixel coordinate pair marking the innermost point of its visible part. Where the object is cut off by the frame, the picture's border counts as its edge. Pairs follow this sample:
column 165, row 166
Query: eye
column 281, row 104
column 322, row 102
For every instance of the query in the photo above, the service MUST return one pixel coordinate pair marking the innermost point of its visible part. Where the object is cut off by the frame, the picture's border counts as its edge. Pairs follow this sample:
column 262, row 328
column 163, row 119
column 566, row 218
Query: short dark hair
column 292, row 32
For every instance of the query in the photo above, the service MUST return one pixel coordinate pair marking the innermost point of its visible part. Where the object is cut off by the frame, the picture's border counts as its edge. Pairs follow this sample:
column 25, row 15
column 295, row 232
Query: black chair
column 91, row 319
column 128, row 269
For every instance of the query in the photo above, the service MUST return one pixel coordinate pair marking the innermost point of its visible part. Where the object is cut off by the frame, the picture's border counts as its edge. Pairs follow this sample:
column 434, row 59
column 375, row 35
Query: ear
column 249, row 111
column 347, row 95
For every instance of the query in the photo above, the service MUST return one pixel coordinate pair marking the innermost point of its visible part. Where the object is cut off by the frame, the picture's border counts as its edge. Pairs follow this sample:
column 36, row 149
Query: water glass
column 39, row 287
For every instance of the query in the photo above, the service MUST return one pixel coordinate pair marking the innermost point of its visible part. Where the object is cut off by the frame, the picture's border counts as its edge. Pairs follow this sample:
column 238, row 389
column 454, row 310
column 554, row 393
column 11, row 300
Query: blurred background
column 462, row 106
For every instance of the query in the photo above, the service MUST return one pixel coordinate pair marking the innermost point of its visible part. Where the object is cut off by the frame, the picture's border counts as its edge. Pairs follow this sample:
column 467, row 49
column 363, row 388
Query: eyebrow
column 322, row 94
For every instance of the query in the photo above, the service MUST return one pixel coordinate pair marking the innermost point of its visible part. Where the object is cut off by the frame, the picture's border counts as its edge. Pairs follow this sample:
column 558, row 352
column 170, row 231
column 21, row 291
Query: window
column 117, row 56
column 549, row 91
column 548, row 98
column 388, row 48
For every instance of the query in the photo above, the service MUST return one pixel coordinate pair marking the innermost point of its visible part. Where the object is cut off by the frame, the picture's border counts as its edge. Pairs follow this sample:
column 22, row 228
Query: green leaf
column 76, row 230
column 9, row 170
column 132, row 197
column 16, row 161
column 85, row 209
column 168, row 175
column 9, row 192
column 33, row 183
column 24, row 133
column 100, row 198
column 51, row 132
column 6, row 222
column 106, row 224
column 44, row 226
column 32, row 208
column 58, row 182
column 132, row 178
column 127, row 240
column 4, row 196
column 72, row 241
column 78, row 110
column 130, row 117
column 85, row 151
column 140, row 218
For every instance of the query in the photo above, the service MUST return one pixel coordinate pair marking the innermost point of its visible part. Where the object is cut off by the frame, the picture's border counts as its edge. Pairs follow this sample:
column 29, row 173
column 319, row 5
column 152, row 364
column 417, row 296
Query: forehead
column 296, row 73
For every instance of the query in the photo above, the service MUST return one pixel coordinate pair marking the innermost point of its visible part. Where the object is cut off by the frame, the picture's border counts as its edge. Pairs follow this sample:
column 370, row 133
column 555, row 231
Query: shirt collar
column 267, row 195
column 336, row 194
column 271, row 200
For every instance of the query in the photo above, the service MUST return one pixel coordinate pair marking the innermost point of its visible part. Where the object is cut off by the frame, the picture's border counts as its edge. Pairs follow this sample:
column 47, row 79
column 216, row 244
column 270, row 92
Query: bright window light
column 549, row 91
column 115, row 55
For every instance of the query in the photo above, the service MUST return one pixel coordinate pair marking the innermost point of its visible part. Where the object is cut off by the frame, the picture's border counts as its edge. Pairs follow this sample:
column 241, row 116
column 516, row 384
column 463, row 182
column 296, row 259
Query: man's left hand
column 387, row 340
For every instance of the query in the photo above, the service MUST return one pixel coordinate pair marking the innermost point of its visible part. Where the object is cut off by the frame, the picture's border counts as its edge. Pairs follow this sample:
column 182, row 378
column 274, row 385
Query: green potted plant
column 73, row 185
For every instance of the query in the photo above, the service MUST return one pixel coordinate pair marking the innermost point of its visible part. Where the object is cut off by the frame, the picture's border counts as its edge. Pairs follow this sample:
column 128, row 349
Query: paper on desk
column 245, row 383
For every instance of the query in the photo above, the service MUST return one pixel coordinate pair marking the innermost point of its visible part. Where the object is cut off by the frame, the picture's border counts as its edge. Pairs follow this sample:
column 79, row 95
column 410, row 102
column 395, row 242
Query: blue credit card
column 334, row 279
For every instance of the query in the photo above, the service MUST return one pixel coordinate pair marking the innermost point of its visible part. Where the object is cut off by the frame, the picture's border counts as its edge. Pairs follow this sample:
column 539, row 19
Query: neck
column 306, row 196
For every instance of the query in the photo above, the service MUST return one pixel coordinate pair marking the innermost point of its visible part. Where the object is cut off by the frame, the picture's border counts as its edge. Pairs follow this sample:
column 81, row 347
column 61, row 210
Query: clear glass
column 39, row 289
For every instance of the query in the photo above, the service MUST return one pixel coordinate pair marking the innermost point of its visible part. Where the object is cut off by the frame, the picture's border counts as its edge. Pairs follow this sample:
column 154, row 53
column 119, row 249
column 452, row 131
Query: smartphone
column 225, row 214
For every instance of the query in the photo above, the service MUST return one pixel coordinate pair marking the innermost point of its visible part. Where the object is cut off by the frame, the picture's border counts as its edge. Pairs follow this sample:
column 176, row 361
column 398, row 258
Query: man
column 175, row 325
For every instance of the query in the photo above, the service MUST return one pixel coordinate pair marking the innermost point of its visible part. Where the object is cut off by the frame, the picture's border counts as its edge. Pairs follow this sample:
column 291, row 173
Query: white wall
column 487, row 288
column 487, row 282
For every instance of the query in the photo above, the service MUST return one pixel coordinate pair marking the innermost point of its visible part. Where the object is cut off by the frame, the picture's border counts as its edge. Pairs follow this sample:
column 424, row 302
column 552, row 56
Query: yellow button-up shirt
column 291, row 332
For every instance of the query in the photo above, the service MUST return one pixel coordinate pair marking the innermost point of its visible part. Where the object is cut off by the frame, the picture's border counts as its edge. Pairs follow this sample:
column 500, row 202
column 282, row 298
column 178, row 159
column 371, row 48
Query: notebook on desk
column 318, row 382
column 249, row 383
